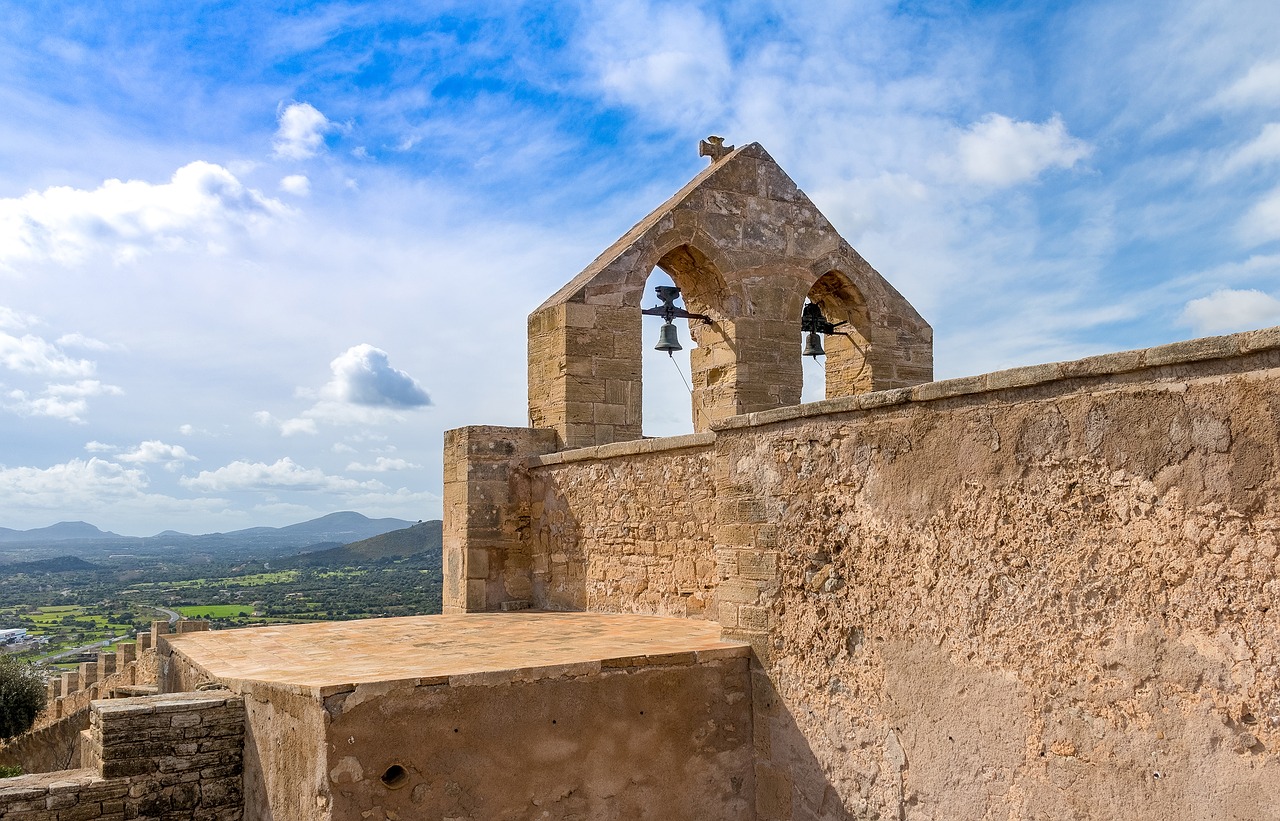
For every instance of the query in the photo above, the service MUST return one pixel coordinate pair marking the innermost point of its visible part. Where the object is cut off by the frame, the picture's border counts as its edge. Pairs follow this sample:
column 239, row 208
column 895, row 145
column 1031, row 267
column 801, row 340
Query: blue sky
column 254, row 260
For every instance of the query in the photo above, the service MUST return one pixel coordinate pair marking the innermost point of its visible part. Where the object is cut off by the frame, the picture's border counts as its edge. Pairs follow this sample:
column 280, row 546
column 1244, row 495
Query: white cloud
column 301, row 131
column 296, row 184
column 77, row 479
column 678, row 70
column 200, row 207
column 1227, row 311
column 382, row 464
column 79, row 340
column 363, row 375
column 1259, row 86
column 98, row 447
column 153, row 451
column 15, row 320
column 1261, row 223
column 1262, row 150
column 35, row 355
column 282, row 474
column 287, row 427
column 61, row 401
column 1001, row 152
column 342, row 447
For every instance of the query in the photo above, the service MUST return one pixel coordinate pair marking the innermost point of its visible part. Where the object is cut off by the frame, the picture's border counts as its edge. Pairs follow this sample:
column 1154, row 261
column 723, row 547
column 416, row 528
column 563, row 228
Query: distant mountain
column 61, row 564
column 90, row 542
column 341, row 527
column 424, row 537
column 62, row 531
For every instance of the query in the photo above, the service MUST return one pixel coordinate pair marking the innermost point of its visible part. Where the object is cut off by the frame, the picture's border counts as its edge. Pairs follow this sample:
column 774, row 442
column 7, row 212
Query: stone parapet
column 177, row 758
column 1123, row 363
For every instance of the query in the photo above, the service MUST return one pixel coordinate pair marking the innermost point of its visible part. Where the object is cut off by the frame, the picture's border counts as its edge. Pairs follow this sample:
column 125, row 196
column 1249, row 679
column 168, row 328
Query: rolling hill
column 424, row 538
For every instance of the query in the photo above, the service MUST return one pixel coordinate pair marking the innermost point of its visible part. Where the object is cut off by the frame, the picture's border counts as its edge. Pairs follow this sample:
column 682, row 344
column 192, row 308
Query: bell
column 813, row 346
column 668, row 340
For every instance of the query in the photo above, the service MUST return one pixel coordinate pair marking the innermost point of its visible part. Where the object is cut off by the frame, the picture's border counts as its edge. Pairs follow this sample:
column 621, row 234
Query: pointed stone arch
column 848, row 365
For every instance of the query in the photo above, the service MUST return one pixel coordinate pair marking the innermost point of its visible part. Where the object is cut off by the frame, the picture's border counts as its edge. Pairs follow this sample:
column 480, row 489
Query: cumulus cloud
column 153, row 451
column 98, row 447
column 35, row 355
column 1001, row 152
column 382, row 465
column 200, row 206
column 68, row 402
column 296, row 184
column 287, row 427
column 282, row 474
column 1227, row 311
column 363, row 375
column 76, row 479
column 301, row 131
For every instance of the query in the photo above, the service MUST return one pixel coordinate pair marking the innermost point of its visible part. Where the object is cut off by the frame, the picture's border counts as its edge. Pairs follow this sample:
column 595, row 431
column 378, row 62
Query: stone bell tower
column 746, row 247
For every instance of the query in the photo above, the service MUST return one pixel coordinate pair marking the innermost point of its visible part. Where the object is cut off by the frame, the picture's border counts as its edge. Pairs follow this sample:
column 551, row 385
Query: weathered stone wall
column 634, row 739
column 175, row 757
column 487, row 564
column 624, row 528
column 284, row 756
column 1048, row 592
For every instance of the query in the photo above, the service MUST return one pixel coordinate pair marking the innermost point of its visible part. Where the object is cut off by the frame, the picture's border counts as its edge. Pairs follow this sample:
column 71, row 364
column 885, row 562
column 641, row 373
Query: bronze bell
column 813, row 346
column 668, row 340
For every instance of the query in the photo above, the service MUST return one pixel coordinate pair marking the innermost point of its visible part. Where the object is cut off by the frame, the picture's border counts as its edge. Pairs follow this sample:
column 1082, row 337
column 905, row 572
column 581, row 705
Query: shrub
column 22, row 696
column 9, row 772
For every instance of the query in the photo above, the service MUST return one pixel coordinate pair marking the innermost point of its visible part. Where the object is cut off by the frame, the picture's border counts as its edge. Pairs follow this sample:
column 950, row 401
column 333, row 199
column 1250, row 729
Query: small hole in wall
column 395, row 777
column 553, row 721
column 455, row 729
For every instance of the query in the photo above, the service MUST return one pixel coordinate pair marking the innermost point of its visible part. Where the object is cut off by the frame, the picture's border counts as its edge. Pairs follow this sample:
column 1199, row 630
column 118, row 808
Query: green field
column 215, row 611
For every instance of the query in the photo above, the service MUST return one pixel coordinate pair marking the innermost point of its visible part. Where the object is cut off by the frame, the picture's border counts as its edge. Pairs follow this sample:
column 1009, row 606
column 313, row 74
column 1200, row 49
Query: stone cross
column 714, row 148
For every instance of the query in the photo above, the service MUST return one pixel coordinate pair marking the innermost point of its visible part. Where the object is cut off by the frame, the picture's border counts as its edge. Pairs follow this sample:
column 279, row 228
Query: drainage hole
column 395, row 777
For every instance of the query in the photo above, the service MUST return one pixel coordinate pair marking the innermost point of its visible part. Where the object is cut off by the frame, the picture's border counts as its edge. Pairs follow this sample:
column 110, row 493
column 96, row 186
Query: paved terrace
column 327, row 657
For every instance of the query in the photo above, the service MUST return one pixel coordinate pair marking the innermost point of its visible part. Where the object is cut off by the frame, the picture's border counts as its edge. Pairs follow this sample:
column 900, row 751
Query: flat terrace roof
column 329, row 657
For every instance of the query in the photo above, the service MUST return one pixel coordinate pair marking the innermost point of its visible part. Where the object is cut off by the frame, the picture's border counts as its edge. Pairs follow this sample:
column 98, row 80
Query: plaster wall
column 1041, row 593
column 285, row 749
column 647, row 742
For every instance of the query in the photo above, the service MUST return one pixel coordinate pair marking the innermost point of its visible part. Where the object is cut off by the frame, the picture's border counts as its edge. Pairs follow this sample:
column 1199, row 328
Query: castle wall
column 624, row 528
column 645, row 739
column 1055, row 599
column 1047, row 592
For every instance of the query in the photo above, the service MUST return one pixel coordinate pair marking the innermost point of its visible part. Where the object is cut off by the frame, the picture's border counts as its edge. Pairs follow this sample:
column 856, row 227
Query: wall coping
column 629, row 448
column 1112, row 364
column 1176, row 353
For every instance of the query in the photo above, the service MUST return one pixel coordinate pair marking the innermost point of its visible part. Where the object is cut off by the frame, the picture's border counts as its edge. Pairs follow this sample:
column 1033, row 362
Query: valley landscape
column 74, row 588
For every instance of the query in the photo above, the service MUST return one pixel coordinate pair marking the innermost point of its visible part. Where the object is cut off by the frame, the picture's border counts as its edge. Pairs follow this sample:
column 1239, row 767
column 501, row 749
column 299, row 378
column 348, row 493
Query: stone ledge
column 1112, row 364
column 631, row 448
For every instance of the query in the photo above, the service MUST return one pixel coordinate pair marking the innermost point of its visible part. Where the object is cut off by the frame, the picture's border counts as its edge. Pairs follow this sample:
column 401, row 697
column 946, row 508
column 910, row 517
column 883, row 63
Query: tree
column 22, row 695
